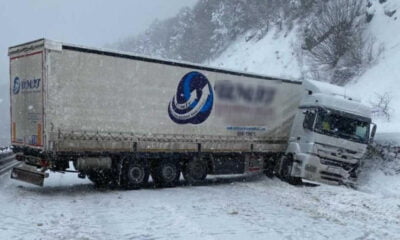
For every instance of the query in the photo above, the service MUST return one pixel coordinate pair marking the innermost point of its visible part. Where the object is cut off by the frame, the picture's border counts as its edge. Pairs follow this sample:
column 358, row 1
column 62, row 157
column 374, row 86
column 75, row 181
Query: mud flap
column 29, row 175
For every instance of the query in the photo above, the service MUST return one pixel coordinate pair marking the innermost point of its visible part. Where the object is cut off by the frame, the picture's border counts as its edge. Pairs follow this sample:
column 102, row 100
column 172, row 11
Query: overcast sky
column 86, row 22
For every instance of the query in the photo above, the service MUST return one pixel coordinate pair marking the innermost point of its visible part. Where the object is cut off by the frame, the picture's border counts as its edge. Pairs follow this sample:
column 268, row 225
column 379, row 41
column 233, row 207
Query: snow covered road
column 70, row 208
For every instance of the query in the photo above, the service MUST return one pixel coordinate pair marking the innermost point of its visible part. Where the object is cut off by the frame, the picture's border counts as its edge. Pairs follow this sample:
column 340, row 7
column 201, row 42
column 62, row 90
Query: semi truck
column 118, row 118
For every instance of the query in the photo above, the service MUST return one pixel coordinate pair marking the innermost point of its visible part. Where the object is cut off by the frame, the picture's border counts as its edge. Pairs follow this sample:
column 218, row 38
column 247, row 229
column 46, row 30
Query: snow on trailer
column 120, row 117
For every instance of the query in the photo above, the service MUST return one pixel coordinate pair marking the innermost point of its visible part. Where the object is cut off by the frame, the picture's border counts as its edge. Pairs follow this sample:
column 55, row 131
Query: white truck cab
column 329, row 136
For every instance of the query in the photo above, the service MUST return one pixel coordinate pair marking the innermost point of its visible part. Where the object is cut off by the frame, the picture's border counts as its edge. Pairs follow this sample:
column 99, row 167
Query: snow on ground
column 384, row 76
column 388, row 139
column 273, row 55
column 70, row 208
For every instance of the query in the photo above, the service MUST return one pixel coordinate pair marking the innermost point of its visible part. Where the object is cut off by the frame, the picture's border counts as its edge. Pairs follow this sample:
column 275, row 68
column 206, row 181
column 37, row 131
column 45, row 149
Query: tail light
column 44, row 163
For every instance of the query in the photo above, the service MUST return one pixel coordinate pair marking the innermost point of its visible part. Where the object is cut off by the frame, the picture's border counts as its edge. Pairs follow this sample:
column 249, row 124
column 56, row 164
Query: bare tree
column 335, row 40
column 382, row 105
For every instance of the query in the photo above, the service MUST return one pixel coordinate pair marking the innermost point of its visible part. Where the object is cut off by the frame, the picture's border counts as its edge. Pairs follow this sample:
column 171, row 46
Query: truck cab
column 329, row 136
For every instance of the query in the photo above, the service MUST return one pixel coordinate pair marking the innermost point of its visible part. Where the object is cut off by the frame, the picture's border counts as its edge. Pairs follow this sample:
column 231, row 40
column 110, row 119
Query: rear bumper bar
column 29, row 174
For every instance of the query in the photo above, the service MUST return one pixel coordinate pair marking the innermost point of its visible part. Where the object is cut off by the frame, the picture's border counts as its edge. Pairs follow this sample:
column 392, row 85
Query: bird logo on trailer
column 17, row 85
column 193, row 100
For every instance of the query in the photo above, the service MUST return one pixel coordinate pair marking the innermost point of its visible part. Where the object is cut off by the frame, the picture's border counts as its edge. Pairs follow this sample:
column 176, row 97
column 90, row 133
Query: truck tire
column 135, row 175
column 195, row 171
column 99, row 177
column 269, row 167
column 165, row 173
column 287, row 165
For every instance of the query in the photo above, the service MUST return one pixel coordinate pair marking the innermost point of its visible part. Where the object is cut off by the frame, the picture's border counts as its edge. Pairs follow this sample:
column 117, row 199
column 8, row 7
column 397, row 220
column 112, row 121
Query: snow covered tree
column 334, row 39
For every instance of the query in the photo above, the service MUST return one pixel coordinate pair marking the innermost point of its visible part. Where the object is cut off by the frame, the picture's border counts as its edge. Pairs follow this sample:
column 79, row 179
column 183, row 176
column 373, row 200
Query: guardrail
column 3, row 148
column 7, row 162
column 4, row 155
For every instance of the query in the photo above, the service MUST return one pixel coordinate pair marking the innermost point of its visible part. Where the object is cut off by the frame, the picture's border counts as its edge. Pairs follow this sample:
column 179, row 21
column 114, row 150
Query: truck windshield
column 346, row 127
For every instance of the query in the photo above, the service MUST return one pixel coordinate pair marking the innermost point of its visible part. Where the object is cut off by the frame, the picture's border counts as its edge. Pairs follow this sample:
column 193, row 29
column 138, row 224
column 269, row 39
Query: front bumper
column 309, row 167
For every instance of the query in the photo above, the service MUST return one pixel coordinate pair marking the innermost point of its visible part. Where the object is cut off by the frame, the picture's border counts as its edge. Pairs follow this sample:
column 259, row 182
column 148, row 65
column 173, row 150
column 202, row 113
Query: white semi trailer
column 120, row 117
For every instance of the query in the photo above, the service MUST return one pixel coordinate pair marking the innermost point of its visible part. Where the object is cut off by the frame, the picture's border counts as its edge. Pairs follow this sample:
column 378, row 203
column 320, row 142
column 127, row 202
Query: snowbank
column 69, row 208
column 273, row 55
column 4, row 149
column 384, row 76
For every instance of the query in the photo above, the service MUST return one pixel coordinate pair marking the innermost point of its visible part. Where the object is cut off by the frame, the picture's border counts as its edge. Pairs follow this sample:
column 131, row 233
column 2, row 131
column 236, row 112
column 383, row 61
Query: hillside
column 276, row 55
column 273, row 55
column 355, row 47
column 383, row 78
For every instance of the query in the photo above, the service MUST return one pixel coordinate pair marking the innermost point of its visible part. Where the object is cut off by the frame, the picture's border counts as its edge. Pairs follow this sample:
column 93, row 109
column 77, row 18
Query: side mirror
column 371, row 138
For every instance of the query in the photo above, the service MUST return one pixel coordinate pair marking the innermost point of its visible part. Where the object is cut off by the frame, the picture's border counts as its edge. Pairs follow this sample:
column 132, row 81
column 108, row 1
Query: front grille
column 331, row 179
column 334, row 152
column 335, row 163
column 351, row 151
column 331, row 174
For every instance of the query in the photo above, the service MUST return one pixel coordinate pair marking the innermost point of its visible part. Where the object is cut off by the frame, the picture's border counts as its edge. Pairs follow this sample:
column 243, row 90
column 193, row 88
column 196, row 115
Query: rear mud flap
column 29, row 174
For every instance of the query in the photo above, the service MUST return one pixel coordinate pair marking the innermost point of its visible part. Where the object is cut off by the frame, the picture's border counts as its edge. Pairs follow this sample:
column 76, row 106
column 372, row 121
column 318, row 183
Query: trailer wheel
column 165, row 173
column 270, row 163
column 99, row 177
column 135, row 175
column 195, row 170
column 287, row 165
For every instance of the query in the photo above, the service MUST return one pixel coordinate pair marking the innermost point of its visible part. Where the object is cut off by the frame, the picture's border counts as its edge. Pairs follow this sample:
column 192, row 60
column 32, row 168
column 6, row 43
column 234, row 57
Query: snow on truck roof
column 59, row 46
column 327, row 88
column 333, row 97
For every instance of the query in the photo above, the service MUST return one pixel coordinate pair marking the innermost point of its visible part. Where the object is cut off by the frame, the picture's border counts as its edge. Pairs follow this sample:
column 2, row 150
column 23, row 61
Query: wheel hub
column 136, row 174
column 198, row 170
column 168, row 173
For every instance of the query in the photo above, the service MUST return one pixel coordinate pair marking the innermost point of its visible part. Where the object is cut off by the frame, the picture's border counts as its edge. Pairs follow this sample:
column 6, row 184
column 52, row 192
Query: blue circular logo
column 193, row 101
column 17, row 85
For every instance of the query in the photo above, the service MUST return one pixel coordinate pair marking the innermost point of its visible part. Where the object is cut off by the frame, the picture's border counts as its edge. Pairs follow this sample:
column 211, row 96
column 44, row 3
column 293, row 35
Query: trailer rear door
column 26, row 90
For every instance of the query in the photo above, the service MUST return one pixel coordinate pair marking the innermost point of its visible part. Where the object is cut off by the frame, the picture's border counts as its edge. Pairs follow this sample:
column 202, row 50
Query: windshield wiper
column 351, row 137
